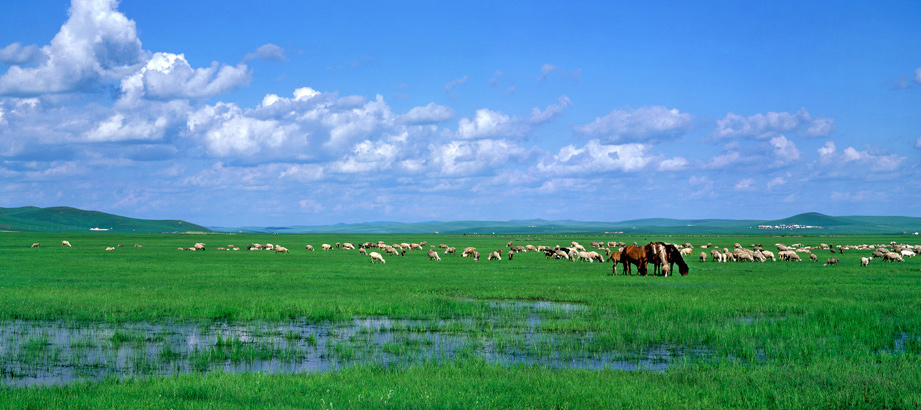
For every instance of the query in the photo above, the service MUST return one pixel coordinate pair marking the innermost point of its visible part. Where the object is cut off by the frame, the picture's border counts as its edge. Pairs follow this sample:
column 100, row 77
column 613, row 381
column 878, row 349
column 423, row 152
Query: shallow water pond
column 57, row 352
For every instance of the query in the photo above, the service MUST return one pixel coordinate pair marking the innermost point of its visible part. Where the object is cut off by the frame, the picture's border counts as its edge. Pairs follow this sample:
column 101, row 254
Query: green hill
column 807, row 223
column 66, row 219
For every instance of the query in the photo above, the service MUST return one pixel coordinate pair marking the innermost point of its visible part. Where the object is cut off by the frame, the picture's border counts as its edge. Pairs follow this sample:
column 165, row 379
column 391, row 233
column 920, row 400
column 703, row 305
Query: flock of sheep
column 891, row 252
column 898, row 252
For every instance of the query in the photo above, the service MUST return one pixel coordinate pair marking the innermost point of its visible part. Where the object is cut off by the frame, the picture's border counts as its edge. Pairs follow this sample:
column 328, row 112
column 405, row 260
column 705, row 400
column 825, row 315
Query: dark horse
column 674, row 256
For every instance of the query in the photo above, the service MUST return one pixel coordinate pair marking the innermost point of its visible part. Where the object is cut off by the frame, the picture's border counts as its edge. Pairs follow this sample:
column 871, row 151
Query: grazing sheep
column 110, row 248
column 137, row 245
column 769, row 255
column 468, row 251
column 530, row 248
column 326, row 246
column 309, row 247
column 831, row 261
column 199, row 246
column 717, row 256
column 65, row 243
column 433, row 256
column 376, row 257
column 280, row 249
column 348, row 246
column 865, row 261
column 511, row 254
column 362, row 251
column 813, row 258
column 703, row 256
column 497, row 255
column 907, row 253
column 451, row 250
column 35, row 245
column 476, row 256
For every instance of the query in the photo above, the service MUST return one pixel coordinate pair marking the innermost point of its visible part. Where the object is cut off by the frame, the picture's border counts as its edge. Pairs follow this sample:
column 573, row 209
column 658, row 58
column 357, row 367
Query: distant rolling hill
column 66, row 219
column 807, row 223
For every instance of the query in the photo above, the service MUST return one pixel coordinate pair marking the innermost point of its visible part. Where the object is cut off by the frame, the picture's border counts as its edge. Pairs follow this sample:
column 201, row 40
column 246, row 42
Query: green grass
column 782, row 335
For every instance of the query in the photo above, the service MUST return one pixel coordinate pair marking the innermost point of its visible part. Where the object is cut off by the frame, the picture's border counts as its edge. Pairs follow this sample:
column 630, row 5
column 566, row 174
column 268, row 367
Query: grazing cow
column 376, row 257
column 65, row 243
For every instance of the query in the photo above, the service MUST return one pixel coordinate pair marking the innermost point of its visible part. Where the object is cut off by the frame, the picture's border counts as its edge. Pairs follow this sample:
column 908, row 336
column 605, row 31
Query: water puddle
column 57, row 352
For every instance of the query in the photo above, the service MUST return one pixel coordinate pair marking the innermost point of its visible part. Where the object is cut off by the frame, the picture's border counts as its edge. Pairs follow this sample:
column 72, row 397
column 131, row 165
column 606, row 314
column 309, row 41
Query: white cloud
column 267, row 52
column 725, row 160
column 596, row 157
column 169, row 76
column 785, row 150
column 16, row 54
column 744, row 184
column 776, row 182
column 429, row 114
column 462, row 158
column 547, row 69
column 642, row 124
column 772, row 124
column 488, row 123
column 827, row 150
column 96, row 44
column 449, row 87
column 494, row 124
column 673, row 164
column 552, row 111
column 918, row 143
column 918, row 75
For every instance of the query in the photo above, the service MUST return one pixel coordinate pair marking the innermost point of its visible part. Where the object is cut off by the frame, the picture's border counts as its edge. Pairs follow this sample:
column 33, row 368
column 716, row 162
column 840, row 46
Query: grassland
column 776, row 335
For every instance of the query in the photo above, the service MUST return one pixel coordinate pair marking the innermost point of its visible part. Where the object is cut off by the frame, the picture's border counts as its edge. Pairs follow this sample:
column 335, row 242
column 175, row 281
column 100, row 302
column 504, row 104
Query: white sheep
column 494, row 255
column 65, row 243
column 433, row 255
column 468, row 251
column 376, row 257
column 35, row 245
column 280, row 249
column 326, row 246
column 309, row 247
column 865, row 261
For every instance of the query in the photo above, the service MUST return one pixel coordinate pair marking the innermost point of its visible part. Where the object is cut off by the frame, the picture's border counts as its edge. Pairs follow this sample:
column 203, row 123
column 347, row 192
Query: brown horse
column 674, row 256
column 633, row 255
column 615, row 257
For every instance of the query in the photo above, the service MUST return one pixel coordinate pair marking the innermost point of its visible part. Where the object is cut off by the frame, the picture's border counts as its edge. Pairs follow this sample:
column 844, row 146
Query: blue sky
column 239, row 113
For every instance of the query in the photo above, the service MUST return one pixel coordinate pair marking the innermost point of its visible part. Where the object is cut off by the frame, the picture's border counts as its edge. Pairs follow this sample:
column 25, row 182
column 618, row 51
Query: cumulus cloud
column 673, row 164
column 169, row 76
column 267, row 52
column 487, row 123
column 429, row 114
column 853, row 161
column 596, row 156
column 772, row 124
column 642, row 124
column 97, row 44
column 16, row 54
column 784, row 150
column 462, row 158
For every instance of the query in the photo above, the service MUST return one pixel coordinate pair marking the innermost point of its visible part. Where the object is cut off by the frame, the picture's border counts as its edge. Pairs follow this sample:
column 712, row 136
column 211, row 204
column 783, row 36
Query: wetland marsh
column 87, row 324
